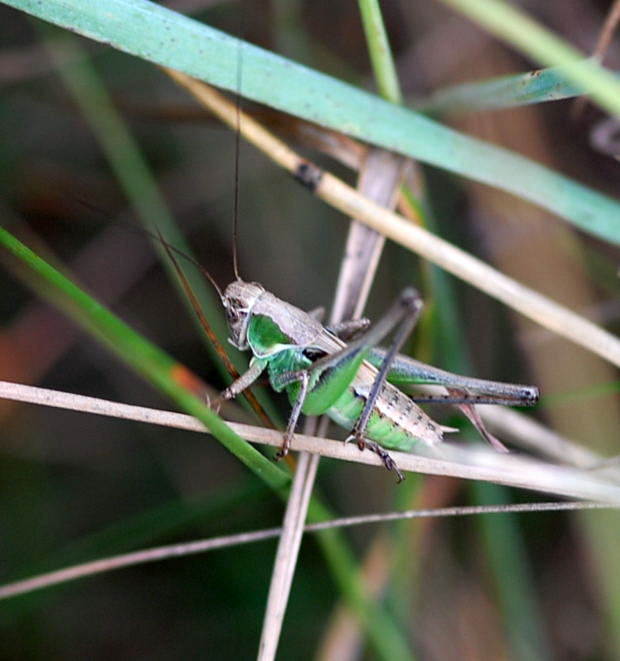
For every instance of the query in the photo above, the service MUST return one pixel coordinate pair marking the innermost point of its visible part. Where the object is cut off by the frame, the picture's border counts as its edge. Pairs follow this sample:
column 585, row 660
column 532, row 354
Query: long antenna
column 170, row 249
column 235, row 232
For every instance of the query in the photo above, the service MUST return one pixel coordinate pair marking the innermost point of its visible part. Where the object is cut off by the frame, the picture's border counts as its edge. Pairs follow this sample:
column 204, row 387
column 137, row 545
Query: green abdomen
column 396, row 421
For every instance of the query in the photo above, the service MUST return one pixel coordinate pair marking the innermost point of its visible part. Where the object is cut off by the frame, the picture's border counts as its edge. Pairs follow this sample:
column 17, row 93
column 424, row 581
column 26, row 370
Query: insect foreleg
column 294, row 417
column 257, row 367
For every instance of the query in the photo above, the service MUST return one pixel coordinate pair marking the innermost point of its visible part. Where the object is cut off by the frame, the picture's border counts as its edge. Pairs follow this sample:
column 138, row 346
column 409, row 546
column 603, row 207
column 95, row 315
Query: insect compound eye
column 234, row 304
column 312, row 353
column 235, row 310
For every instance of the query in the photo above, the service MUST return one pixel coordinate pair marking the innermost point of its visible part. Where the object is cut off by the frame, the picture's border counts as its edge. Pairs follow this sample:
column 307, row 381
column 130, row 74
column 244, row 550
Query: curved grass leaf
column 522, row 89
column 533, row 39
column 168, row 38
column 145, row 358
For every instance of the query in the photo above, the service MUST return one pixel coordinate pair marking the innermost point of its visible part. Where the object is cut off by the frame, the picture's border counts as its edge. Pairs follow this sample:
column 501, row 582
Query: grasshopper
column 352, row 382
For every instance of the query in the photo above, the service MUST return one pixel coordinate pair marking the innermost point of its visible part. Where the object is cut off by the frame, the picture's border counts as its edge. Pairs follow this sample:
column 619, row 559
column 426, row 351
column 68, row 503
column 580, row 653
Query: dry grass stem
column 379, row 179
column 203, row 545
column 467, row 462
column 286, row 555
column 524, row 432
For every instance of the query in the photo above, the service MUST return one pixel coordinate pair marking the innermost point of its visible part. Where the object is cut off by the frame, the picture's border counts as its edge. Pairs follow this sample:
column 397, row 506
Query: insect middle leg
column 405, row 311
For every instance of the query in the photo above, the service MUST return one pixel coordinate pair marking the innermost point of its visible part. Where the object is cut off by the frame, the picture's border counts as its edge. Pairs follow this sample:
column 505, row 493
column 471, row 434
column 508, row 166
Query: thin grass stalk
column 379, row 50
column 286, row 555
column 184, row 549
column 471, row 462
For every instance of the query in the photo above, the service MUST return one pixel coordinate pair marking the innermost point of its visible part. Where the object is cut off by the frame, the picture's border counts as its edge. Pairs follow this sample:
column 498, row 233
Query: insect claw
column 284, row 448
column 383, row 454
column 216, row 404
column 399, row 476
column 390, row 464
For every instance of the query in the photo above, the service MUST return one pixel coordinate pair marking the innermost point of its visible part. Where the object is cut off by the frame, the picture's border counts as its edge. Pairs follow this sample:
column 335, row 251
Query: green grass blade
column 145, row 358
column 513, row 578
column 522, row 89
column 165, row 37
column 380, row 52
column 382, row 631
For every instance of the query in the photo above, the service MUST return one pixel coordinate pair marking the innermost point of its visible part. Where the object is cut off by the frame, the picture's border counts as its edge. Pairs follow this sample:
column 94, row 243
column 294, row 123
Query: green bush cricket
column 339, row 371
column 351, row 383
